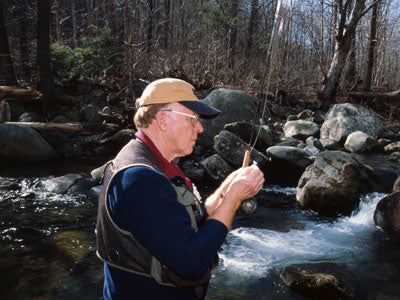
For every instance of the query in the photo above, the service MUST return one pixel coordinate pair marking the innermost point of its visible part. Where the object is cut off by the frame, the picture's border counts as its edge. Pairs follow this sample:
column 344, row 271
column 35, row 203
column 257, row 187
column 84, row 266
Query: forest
column 332, row 50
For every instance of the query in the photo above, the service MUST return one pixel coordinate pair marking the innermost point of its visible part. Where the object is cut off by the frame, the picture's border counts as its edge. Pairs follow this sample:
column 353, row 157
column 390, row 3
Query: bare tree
column 7, row 74
column 371, row 49
column 43, row 79
column 350, row 14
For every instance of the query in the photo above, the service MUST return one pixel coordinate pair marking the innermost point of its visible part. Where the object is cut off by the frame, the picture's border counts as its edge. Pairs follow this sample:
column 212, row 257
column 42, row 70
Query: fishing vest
column 117, row 247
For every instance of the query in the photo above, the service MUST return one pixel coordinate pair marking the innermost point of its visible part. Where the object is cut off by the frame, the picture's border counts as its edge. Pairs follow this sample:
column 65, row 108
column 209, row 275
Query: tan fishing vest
column 117, row 247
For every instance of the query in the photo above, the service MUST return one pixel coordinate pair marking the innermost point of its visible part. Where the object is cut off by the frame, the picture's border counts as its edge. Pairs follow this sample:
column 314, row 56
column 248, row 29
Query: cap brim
column 205, row 111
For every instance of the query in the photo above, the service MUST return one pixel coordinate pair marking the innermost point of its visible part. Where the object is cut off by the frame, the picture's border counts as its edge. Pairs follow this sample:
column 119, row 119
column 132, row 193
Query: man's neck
column 159, row 140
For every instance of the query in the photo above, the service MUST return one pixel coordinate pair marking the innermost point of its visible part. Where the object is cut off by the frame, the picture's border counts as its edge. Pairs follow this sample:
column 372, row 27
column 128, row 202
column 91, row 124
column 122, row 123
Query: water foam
column 253, row 252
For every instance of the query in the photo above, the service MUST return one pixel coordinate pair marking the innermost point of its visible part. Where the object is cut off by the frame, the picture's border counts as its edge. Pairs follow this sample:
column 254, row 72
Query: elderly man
column 157, row 240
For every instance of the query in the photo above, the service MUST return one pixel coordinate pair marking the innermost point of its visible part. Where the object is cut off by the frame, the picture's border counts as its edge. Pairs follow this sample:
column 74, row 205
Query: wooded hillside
column 329, row 47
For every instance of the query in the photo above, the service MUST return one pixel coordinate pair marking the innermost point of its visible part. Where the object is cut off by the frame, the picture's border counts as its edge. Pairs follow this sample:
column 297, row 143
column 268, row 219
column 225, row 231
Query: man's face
column 182, row 129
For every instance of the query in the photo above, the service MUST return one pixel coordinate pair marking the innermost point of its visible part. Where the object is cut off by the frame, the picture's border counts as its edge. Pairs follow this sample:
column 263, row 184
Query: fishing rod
column 249, row 205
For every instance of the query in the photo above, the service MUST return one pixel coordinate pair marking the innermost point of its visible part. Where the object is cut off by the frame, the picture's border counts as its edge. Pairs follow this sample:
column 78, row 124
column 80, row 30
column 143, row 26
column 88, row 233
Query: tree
column 7, row 74
column 43, row 79
column 371, row 49
column 350, row 14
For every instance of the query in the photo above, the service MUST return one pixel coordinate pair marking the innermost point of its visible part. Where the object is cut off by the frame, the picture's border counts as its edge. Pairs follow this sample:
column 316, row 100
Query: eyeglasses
column 193, row 118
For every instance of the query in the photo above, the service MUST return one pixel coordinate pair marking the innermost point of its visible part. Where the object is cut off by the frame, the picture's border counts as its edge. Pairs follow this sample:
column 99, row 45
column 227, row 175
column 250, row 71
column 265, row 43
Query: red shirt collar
column 169, row 169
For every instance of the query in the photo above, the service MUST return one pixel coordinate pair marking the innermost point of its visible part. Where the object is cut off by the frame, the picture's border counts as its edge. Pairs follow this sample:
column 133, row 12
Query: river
column 47, row 245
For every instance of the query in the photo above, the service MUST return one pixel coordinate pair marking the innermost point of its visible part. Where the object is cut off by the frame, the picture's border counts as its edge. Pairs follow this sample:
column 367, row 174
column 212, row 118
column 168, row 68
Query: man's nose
column 198, row 127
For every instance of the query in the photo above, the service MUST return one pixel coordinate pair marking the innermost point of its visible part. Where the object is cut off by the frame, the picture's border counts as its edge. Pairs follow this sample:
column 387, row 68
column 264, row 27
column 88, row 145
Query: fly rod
column 249, row 205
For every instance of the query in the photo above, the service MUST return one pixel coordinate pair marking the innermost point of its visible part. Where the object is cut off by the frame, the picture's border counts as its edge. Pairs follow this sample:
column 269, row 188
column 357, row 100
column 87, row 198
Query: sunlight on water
column 253, row 252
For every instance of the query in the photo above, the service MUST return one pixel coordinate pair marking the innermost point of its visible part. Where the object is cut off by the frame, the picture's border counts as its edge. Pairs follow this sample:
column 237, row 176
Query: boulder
column 23, row 144
column 387, row 214
column 243, row 130
column 320, row 281
column 343, row 119
column 70, row 183
column 231, row 148
column 300, row 129
column 395, row 146
column 286, row 160
column 359, row 142
column 312, row 141
column 291, row 155
column 235, row 106
column 217, row 168
column 332, row 185
column 330, row 144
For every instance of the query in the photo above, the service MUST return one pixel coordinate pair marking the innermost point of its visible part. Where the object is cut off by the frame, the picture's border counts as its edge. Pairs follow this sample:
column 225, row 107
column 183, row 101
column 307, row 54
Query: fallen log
column 16, row 91
column 394, row 95
column 96, row 127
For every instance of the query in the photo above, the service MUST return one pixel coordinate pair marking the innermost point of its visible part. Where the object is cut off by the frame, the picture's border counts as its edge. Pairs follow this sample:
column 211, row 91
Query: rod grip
column 246, row 159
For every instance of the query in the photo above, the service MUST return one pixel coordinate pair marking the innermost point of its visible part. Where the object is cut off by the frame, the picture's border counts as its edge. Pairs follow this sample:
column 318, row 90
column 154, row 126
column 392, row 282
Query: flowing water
column 47, row 247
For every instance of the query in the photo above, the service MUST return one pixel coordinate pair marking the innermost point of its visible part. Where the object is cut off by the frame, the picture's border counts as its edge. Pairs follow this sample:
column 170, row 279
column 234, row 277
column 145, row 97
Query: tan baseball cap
column 168, row 90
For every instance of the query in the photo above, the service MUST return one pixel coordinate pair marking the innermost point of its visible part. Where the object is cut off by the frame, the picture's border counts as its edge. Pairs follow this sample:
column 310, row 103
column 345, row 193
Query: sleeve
column 143, row 201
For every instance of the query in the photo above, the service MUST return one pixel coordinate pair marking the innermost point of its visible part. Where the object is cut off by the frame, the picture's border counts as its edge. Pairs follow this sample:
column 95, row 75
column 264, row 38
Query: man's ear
column 161, row 120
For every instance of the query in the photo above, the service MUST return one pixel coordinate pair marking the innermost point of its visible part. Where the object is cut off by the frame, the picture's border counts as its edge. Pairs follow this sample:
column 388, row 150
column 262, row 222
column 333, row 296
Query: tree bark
column 233, row 32
column 7, row 74
column 371, row 49
column 43, row 79
column 345, row 35
column 74, row 24
column 252, row 25
column 395, row 95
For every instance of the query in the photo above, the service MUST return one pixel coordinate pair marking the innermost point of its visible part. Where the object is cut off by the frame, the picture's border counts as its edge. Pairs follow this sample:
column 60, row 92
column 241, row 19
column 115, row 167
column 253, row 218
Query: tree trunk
column 350, row 73
column 149, row 26
column 7, row 74
column 233, row 32
column 74, row 24
column 252, row 25
column 43, row 79
column 344, row 38
column 167, row 7
column 371, row 49
column 22, row 40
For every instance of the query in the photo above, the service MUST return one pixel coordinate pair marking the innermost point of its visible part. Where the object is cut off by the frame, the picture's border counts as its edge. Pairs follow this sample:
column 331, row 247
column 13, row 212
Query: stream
column 47, row 243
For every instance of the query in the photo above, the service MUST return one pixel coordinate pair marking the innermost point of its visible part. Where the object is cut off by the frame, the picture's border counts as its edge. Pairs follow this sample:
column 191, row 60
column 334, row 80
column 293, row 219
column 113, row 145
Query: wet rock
column 71, row 150
column 392, row 147
column 91, row 114
column 343, row 119
column 217, row 168
column 235, row 106
column 300, row 129
column 291, row 155
column 320, row 281
column 359, row 142
column 332, row 185
column 61, row 119
column 243, row 131
column 231, row 148
column 29, row 117
column 387, row 214
column 395, row 156
column 289, row 143
column 98, row 173
column 312, row 141
column 74, row 245
column 118, row 140
column 193, row 170
column 70, row 183
column 23, row 144
column 330, row 144
column 312, row 151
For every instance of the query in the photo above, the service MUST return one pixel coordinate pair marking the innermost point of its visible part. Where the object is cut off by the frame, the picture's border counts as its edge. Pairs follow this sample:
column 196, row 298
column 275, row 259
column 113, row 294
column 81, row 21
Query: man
column 156, row 239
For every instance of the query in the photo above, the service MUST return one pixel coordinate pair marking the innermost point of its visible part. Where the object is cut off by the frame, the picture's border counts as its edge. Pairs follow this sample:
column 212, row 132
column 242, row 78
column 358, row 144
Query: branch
column 97, row 127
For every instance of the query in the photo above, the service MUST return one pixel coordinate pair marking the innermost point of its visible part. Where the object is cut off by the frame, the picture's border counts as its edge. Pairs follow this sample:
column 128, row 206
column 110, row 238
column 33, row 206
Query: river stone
column 392, row 147
column 290, row 155
column 359, row 142
column 235, row 106
column 69, row 183
column 290, row 143
column 300, row 129
column 332, row 185
column 387, row 214
column 120, row 139
column 320, row 281
column 23, row 144
column 231, row 148
column 343, row 119
column 92, row 114
column 330, row 144
column 76, row 245
column 217, row 167
column 243, row 130
column 312, row 141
